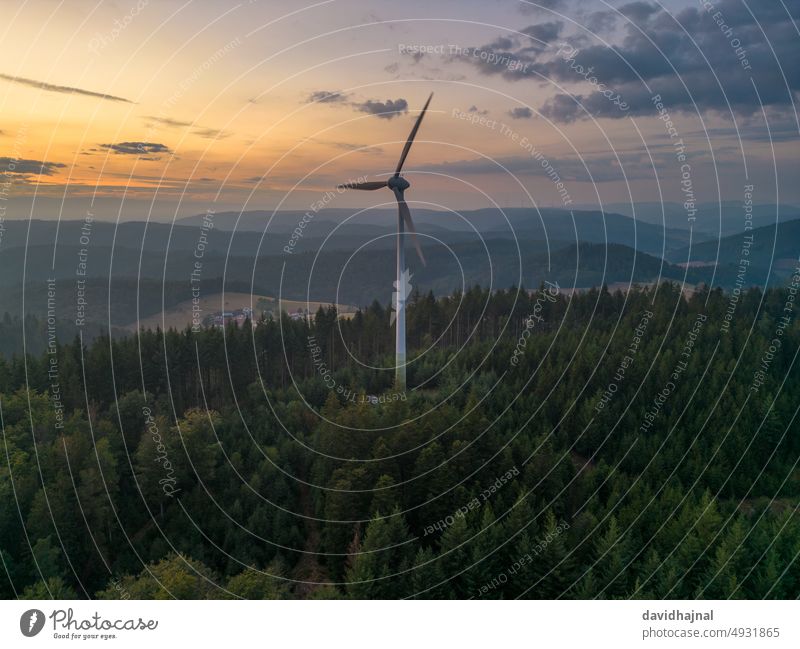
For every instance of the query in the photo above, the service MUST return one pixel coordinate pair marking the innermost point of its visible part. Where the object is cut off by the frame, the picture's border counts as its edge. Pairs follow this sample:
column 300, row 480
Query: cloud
column 521, row 112
column 638, row 11
column 168, row 121
column 689, row 58
column 571, row 108
column 211, row 133
column 545, row 32
column 327, row 97
column 599, row 22
column 601, row 168
column 347, row 146
column 540, row 5
column 383, row 109
column 475, row 109
column 199, row 131
column 782, row 128
column 21, row 168
column 502, row 43
column 149, row 149
column 361, row 148
column 68, row 90
column 665, row 56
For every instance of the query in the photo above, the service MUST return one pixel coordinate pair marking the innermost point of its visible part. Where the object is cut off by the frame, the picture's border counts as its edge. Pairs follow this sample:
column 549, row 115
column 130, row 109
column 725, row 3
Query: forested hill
column 768, row 244
column 601, row 445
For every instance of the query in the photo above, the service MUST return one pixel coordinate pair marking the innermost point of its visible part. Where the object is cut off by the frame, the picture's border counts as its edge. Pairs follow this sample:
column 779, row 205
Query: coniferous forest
column 549, row 445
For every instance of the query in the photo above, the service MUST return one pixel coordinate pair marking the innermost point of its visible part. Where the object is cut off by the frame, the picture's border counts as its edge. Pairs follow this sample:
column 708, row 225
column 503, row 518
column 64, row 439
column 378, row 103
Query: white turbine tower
column 399, row 185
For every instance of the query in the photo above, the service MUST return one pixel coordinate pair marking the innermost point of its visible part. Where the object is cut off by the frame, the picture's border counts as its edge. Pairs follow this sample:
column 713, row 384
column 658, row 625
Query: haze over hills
column 771, row 241
column 344, row 225
column 544, row 224
column 771, row 254
column 349, row 259
column 711, row 219
column 39, row 249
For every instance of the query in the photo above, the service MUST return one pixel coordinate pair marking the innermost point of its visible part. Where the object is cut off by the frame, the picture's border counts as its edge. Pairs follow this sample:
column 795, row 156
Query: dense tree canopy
column 552, row 446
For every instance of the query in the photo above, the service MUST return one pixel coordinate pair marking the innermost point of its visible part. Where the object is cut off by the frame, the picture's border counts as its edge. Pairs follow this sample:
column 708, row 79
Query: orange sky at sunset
column 188, row 104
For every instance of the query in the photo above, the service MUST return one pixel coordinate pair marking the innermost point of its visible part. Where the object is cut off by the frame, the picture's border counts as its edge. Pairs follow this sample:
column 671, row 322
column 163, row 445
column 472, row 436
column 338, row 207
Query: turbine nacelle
column 398, row 182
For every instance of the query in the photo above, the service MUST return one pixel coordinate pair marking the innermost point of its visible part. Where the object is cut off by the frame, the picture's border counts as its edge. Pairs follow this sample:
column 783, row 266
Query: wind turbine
column 399, row 185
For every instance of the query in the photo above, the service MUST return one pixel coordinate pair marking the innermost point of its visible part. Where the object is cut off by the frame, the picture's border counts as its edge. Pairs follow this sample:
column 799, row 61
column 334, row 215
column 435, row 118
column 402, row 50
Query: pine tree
column 380, row 568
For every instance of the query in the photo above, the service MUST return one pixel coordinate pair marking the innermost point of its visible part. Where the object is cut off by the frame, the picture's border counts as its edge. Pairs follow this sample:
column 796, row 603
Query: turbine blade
column 405, row 214
column 411, row 136
column 369, row 186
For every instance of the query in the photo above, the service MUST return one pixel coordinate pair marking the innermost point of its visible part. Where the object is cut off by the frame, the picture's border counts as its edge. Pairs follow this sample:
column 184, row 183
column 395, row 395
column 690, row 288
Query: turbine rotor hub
column 398, row 182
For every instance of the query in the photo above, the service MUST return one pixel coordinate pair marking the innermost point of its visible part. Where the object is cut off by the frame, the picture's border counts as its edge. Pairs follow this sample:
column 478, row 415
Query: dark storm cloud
column 383, row 109
column 638, row 10
column 151, row 149
column 545, row 32
column 521, row 112
column 68, row 90
column 502, row 43
column 326, row 97
column 696, row 59
column 22, row 168
column 569, row 108
column 600, row 21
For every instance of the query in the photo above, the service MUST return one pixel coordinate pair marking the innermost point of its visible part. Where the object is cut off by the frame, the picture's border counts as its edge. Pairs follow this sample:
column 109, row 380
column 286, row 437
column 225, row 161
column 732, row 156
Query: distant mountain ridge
column 779, row 241
column 548, row 223
column 726, row 217
column 351, row 261
column 345, row 229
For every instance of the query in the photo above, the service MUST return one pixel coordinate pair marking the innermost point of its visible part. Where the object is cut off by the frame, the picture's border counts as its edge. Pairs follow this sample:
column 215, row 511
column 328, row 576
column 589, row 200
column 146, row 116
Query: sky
column 139, row 109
